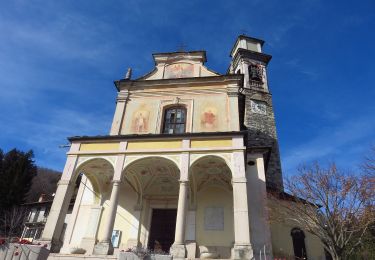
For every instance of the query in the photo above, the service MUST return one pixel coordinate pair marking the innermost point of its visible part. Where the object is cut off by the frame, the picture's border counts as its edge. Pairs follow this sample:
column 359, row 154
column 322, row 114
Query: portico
column 188, row 172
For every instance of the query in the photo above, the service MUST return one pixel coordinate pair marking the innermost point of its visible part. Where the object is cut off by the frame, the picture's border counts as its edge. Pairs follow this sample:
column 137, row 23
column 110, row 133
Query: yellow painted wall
column 215, row 197
column 211, row 143
column 138, row 145
column 99, row 146
column 125, row 219
column 282, row 244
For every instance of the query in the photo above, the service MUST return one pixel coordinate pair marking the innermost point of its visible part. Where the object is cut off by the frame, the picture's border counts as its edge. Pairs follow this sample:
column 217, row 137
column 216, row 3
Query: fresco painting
column 140, row 121
column 179, row 70
column 209, row 118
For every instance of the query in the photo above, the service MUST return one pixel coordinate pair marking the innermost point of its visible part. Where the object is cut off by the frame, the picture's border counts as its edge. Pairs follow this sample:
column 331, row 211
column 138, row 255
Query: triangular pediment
column 174, row 65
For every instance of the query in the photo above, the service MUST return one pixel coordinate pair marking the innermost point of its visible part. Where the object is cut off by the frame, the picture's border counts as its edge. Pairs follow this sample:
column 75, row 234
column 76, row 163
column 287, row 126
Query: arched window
column 298, row 243
column 174, row 120
column 255, row 72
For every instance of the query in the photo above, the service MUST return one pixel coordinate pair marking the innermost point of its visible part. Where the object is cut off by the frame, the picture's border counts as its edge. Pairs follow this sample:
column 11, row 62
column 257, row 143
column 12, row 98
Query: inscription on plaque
column 214, row 218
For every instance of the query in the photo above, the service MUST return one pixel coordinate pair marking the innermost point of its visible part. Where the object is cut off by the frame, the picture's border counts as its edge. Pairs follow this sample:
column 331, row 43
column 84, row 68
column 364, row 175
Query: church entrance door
column 163, row 225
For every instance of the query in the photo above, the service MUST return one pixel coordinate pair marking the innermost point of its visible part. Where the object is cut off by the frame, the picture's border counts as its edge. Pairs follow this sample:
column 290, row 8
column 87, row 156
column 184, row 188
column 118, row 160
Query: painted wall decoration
column 140, row 121
column 179, row 70
column 209, row 118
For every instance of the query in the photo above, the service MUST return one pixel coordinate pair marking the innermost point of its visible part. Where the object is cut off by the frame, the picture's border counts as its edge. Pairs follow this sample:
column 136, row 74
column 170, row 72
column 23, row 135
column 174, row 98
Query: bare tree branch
column 335, row 206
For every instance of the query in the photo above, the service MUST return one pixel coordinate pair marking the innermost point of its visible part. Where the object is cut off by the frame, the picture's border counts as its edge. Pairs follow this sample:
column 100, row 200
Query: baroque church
column 185, row 170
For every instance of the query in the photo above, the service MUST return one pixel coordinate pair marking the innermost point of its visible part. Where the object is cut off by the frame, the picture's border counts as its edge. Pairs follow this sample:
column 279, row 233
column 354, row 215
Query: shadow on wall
column 257, row 140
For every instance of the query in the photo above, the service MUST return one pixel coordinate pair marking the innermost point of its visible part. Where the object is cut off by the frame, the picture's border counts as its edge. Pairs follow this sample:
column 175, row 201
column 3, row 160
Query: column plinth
column 105, row 247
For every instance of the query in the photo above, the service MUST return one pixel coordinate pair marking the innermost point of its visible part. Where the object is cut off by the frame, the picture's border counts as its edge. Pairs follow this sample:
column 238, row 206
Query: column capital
column 239, row 180
column 64, row 182
column 116, row 182
column 122, row 96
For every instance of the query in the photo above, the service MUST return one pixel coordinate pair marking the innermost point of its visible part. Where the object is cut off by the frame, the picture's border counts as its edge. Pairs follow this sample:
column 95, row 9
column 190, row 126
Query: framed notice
column 214, row 218
column 116, row 234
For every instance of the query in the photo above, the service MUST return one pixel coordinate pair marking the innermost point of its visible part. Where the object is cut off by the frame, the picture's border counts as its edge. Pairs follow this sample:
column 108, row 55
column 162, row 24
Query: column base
column 242, row 252
column 178, row 251
column 88, row 243
column 53, row 246
column 103, row 248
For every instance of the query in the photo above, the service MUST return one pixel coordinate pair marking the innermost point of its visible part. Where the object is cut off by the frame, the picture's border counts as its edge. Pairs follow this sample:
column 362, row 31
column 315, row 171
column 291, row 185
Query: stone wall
column 23, row 252
column 262, row 133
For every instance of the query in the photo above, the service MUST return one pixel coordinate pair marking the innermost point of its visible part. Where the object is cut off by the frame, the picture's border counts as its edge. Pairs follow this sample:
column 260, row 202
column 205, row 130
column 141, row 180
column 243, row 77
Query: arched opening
column 93, row 179
column 299, row 247
column 174, row 119
column 148, row 204
column 212, row 197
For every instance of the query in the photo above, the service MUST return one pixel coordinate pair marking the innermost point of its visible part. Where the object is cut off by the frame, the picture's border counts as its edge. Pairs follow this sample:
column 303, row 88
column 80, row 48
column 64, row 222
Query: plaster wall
column 125, row 221
column 180, row 68
column 282, row 243
column 205, row 113
column 213, row 197
column 83, row 215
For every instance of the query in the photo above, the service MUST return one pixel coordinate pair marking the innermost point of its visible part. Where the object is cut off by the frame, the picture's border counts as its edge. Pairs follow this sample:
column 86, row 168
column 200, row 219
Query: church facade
column 185, row 169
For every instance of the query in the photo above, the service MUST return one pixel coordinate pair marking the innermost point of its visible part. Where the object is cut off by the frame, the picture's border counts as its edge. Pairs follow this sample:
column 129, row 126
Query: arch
column 218, row 156
column 174, row 118
column 152, row 175
column 129, row 164
column 299, row 247
column 209, row 170
column 99, row 171
column 81, row 164
column 212, row 195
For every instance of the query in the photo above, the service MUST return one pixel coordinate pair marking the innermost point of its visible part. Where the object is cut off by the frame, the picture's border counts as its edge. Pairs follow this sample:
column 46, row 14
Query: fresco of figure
column 208, row 118
column 140, row 121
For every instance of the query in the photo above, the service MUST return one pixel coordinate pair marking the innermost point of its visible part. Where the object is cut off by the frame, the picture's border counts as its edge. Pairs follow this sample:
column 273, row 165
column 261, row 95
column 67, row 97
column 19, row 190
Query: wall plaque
column 214, row 218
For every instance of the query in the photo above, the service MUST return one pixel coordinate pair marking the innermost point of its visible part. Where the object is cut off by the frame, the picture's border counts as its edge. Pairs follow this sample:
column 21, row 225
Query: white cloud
column 343, row 140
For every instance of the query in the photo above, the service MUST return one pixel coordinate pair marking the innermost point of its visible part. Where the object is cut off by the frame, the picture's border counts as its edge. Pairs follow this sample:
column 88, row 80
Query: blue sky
column 58, row 60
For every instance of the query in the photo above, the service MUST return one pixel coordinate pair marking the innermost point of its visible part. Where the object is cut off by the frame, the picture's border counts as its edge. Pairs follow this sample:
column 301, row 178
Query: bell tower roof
column 247, row 43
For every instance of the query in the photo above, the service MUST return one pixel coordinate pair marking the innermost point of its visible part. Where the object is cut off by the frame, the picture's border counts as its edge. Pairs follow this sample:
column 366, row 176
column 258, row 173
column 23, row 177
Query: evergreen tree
column 17, row 169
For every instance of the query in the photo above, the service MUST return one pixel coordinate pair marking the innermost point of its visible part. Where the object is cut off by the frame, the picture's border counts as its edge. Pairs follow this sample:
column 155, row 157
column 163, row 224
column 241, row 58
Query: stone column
column 119, row 113
column 104, row 247
column 178, row 249
column 242, row 245
column 55, row 221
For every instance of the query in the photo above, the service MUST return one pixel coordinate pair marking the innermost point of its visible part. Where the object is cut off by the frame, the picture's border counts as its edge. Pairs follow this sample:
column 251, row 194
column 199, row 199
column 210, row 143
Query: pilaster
column 55, row 221
column 119, row 113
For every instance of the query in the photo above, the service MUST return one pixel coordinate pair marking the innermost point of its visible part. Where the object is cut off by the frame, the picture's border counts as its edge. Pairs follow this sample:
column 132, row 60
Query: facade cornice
column 259, row 56
column 155, row 136
column 162, row 83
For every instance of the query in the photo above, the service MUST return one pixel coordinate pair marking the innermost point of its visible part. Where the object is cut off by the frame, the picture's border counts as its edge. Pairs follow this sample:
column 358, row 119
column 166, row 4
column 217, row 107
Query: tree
column 11, row 222
column 45, row 182
column 335, row 206
column 17, row 169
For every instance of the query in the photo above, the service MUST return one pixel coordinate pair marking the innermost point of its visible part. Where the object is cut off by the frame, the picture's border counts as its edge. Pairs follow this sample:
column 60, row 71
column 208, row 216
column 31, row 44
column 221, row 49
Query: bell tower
column 258, row 116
